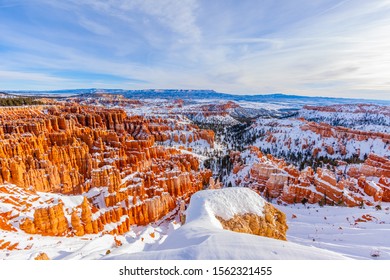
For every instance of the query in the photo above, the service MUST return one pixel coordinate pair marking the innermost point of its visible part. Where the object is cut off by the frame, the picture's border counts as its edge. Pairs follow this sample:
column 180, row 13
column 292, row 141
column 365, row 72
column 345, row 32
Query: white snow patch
column 225, row 203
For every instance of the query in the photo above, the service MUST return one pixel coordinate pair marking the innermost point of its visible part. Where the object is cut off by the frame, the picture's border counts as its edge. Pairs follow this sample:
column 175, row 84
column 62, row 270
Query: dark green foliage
column 323, row 201
column 19, row 101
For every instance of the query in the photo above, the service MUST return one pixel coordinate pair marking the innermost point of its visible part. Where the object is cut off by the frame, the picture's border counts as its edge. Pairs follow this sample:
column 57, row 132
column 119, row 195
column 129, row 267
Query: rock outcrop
column 373, row 166
column 50, row 220
column 237, row 209
column 42, row 257
column 272, row 224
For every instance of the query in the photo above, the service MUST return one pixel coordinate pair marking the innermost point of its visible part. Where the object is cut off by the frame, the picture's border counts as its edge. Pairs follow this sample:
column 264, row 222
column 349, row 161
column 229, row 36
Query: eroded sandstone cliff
column 109, row 158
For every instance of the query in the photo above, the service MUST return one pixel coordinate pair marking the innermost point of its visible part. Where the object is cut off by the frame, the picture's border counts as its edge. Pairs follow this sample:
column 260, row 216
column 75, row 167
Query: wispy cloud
column 324, row 47
column 28, row 76
column 176, row 16
column 94, row 27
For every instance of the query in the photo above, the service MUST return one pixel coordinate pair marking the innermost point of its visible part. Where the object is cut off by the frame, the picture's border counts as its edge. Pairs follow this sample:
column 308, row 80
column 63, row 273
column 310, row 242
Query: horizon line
column 52, row 91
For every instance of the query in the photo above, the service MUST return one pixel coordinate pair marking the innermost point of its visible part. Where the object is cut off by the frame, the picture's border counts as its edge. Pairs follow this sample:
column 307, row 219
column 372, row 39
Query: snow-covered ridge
column 367, row 117
column 297, row 140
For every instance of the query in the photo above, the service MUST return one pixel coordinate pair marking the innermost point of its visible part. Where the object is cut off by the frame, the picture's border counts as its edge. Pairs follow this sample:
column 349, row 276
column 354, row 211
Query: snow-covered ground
column 202, row 237
column 338, row 229
column 314, row 233
column 92, row 246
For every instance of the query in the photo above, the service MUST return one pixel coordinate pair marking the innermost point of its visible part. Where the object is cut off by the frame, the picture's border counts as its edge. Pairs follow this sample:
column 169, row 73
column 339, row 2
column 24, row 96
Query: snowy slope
column 202, row 237
column 88, row 247
column 367, row 117
column 283, row 138
column 358, row 233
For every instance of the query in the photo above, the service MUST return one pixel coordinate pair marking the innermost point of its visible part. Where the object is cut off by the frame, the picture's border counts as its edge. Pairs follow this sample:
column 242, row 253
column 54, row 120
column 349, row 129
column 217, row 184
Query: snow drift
column 203, row 236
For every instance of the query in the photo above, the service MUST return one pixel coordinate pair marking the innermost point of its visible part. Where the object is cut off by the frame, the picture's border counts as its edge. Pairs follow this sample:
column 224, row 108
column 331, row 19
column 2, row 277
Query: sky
column 336, row 48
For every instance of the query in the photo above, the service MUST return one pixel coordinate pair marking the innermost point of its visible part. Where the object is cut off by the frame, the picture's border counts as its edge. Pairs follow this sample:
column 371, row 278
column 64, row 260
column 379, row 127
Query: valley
column 106, row 175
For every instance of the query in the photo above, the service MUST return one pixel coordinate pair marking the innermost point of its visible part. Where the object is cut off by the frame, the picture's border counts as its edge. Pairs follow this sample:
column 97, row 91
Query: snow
column 225, row 203
column 362, row 117
column 375, row 186
column 71, row 201
column 218, row 119
column 334, row 228
column 261, row 105
column 290, row 130
column 314, row 233
column 91, row 246
column 189, row 243
column 202, row 237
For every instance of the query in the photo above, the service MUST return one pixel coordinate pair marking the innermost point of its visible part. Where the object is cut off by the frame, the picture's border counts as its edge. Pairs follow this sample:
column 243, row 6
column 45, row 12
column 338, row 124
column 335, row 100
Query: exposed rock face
column 273, row 224
column 374, row 166
column 108, row 157
column 274, row 178
column 50, row 220
column 4, row 223
column 42, row 256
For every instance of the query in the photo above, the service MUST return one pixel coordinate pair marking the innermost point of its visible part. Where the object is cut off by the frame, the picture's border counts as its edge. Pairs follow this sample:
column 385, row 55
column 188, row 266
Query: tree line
column 19, row 101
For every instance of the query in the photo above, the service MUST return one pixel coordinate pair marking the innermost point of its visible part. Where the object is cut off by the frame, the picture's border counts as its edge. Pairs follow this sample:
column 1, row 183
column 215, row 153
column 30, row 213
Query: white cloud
column 340, row 49
column 178, row 16
column 6, row 76
column 94, row 27
column 341, row 52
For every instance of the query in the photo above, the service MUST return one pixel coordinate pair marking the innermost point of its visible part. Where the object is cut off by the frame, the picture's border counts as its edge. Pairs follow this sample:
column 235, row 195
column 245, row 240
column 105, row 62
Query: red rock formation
column 384, row 184
column 73, row 150
column 41, row 256
column 273, row 178
column 275, row 184
column 273, row 224
column 7, row 245
column 329, row 150
column 28, row 226
column 4, row 222
column 374, row 166
column 50, row 220
column 77, row 226
column 315, row 152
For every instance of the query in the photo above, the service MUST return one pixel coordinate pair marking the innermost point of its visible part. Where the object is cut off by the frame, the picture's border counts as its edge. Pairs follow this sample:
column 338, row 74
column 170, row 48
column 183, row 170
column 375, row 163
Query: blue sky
column 306, row 47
